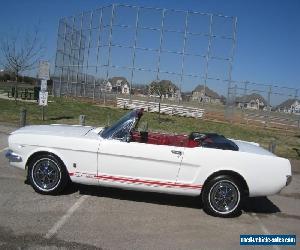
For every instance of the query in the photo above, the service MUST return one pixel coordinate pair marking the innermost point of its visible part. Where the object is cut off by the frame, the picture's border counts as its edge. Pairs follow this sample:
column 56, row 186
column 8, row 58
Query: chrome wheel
column 224, row 197
column 46, row 174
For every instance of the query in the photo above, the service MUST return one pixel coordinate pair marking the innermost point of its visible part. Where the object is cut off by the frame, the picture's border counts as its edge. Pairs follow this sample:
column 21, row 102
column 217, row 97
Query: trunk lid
column 251, row 147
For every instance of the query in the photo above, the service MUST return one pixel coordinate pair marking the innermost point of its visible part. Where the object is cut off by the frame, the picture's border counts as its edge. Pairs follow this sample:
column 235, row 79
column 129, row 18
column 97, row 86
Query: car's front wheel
column 222, row 196
column 47, row 174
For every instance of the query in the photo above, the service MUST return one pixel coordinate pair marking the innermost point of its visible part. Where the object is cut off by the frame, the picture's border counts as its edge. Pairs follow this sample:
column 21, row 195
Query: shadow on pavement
column 26, row 240
column 253, row 204
column 138, row 196
column 260, row 205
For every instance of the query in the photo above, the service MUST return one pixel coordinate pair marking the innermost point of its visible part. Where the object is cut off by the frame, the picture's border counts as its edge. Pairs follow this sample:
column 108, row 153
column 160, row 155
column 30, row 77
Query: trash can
column 13, row 90
column 36, row 91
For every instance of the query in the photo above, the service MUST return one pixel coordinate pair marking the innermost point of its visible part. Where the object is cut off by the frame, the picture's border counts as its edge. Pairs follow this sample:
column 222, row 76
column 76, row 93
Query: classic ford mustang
column 222, row 172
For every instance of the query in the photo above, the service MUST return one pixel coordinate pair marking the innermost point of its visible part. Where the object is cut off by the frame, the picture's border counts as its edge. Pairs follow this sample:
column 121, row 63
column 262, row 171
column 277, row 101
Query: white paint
column 95, row 155
column 164, row 108
column 65, row 217
column 141, row 160
column 263, row 228
column 54, row 130
column 2, row 150
column 261, row 225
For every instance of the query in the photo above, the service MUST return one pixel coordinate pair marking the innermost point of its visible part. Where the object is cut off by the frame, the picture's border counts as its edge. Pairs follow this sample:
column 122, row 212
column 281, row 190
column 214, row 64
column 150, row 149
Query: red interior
column 164, row 139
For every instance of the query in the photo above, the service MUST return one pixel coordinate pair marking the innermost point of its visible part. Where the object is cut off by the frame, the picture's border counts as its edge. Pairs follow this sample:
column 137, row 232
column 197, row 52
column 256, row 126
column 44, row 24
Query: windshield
column 122, row 127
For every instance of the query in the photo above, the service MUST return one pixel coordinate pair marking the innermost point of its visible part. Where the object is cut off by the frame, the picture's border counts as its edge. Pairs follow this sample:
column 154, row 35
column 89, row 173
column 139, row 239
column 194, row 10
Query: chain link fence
column 140, row 45
column 164, row 55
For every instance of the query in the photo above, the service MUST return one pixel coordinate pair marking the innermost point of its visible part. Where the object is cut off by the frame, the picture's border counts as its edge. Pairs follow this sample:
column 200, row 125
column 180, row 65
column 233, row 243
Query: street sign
column 43, row 98
column 44, row 70
column 43, row 85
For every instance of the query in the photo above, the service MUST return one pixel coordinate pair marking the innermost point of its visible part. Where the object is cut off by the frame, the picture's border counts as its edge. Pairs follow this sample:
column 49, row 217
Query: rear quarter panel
column 264, row 174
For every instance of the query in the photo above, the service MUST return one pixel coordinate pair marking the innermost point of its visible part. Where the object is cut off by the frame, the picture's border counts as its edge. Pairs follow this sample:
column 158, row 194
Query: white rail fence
column 168, row 109
column 275, row 120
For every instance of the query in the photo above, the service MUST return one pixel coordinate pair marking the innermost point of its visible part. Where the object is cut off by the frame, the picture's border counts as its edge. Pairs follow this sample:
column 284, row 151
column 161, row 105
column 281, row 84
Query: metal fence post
column 23, row 117
column 110, row 44
column 160, row 43
column 268, row 114
column 207, row 56
column 134, row 51
column 82, row 120
column 230, row 104
column 272, row 146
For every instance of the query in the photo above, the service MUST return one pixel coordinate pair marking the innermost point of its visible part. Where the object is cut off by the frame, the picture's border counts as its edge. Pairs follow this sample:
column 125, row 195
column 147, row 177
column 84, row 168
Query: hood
column 251, row 147
column 57, row 130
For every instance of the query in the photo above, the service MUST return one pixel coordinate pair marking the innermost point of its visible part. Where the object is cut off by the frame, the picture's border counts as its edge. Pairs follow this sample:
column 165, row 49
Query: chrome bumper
column 288, row 180
column 12, row 157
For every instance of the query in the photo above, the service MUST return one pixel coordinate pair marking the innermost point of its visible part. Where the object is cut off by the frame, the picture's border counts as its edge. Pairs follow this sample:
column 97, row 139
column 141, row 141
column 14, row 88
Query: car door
column 191, row 165
column 138, row 161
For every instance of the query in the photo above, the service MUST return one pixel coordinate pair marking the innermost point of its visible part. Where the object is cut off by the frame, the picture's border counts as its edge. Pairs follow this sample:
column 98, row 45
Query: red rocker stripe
column 139, row 181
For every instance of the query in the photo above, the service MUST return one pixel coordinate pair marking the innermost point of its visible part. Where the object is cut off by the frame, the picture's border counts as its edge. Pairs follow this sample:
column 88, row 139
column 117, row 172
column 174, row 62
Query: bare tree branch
column 21, row 54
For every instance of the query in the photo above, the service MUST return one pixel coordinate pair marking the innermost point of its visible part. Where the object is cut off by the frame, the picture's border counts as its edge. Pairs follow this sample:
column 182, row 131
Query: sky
column 268, row 34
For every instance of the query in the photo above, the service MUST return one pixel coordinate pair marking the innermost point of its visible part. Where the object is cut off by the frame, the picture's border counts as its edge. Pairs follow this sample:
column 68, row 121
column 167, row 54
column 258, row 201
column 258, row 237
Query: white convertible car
column 218, row 170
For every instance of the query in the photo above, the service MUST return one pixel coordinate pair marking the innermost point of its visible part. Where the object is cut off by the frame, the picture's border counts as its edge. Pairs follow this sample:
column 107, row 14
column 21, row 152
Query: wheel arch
column 233, row 174
column 63, row 179
column 42, row 152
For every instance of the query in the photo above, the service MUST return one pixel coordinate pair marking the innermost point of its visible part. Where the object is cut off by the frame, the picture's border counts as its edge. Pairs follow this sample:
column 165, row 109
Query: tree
column 162, row 88
column 5, row 77
column 21, row 54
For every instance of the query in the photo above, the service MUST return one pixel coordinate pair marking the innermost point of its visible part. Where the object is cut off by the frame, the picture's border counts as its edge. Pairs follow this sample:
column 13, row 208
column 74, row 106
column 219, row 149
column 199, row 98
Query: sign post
column 43, row 75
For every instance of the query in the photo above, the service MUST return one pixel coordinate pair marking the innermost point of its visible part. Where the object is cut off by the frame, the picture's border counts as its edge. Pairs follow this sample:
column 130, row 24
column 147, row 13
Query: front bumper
column 13, row 157
column 288, row 180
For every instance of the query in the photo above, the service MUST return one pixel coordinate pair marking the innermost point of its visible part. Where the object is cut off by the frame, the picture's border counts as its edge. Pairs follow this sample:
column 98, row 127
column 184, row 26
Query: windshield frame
column 123, row 126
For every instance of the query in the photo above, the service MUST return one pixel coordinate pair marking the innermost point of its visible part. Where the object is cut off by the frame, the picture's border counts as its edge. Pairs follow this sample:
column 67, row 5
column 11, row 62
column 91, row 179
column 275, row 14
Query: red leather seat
column 164, row 139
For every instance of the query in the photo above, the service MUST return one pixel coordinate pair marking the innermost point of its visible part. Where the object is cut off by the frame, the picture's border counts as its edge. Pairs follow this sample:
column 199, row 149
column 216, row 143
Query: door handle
column 176, row 152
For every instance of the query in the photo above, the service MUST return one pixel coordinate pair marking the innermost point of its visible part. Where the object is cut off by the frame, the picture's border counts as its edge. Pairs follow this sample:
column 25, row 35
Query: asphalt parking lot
column 103, row 218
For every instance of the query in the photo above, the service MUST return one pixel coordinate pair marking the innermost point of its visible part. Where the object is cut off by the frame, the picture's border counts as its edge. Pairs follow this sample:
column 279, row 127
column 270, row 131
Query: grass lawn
column 67, row 111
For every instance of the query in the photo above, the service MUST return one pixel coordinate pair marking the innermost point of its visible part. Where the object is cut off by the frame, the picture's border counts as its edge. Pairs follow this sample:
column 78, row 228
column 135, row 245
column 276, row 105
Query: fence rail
column 273, row 121
column 168, row 109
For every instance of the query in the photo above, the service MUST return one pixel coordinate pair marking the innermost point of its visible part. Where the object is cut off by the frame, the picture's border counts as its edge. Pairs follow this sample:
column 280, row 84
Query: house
column 119, row 85
column 125, row 89
column 252, row 101
column 177, row 95
column 289, row 106
column 106, row 87
column 205, row 94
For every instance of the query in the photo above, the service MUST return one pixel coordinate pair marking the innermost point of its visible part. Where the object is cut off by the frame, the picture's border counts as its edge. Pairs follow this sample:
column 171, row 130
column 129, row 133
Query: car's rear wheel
column 47, row 174
column 222, row 196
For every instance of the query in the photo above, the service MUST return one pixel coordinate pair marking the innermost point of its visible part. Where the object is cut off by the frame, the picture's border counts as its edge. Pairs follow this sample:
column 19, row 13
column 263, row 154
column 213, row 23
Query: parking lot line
column 3, row 149
column 65, row 217
column 263, row 227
